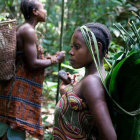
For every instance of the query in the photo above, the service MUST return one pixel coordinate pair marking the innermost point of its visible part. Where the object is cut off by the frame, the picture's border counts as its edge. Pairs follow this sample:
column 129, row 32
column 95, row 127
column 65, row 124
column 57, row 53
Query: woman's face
column 41, row 12
column 80, row 56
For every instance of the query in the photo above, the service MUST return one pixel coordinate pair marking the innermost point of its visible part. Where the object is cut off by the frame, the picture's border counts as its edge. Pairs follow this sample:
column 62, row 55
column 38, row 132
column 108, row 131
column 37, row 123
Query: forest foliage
column 76, row 13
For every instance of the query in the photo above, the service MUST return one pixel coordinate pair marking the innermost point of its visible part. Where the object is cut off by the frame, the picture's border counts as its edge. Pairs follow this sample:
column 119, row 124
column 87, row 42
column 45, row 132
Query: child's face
column 41, row 12
column 80, row 56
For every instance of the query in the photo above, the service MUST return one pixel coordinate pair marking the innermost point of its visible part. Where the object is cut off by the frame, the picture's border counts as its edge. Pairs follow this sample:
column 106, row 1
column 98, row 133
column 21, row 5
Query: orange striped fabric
column 20, row 100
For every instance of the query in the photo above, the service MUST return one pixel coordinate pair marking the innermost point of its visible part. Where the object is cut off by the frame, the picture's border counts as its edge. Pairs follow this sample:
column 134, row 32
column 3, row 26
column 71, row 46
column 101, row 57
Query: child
column 20, row 99
column 82, row 112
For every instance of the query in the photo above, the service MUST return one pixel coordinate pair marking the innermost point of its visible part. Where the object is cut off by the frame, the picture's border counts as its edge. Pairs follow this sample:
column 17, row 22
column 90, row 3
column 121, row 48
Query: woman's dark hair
column 102, row 35
column 27, row 7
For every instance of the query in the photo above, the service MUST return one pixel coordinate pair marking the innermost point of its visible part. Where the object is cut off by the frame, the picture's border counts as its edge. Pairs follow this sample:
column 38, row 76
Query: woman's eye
column 76, row 47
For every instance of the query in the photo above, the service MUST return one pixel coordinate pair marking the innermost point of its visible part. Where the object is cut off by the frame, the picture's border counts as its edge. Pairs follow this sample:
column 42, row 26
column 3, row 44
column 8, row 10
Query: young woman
column 82, row 112
column 20, row 99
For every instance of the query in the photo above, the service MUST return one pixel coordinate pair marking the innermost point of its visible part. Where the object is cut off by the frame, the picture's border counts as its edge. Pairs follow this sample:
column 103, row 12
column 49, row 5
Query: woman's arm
column 30, row 50
column 94, row 94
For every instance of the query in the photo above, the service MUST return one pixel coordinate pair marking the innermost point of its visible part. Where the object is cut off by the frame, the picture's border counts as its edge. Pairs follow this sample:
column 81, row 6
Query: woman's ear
column 35, row 12
column 100, row 46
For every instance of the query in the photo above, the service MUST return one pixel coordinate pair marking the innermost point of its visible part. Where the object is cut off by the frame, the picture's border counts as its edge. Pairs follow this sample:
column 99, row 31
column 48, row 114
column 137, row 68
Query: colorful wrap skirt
column 72, row 120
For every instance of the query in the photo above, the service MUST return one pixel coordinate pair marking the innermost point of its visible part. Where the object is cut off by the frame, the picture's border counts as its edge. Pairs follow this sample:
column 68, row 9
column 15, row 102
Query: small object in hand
column 64, row 77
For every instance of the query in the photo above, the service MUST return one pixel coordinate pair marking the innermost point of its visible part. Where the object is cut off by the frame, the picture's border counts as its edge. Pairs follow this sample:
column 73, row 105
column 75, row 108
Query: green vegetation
column 120, row 16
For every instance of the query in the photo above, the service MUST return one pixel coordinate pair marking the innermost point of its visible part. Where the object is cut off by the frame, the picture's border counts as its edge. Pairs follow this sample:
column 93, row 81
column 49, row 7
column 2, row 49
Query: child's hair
column 27, row 7
column 102, row 35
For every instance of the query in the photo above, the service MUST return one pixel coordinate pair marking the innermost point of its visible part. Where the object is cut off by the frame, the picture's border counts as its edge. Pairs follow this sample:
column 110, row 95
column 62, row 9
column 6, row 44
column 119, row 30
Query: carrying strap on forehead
column 89, row 37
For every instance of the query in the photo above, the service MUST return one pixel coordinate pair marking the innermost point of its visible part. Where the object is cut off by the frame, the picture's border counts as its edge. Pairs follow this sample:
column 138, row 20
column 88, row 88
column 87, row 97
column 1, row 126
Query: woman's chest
column 77, row 89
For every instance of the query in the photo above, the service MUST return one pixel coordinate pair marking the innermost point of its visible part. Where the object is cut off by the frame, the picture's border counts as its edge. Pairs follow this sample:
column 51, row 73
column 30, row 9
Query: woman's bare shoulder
column 93, row 87
column 27, row 32
column 25, row 29
column 91, row 80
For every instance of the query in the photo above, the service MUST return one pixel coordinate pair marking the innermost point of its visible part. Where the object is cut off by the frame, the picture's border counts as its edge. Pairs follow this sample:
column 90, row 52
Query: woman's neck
column 32, row 22
column 91, row 69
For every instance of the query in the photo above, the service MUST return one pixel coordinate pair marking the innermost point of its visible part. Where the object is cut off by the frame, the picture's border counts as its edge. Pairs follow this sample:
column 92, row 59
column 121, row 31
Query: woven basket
column 7, row 49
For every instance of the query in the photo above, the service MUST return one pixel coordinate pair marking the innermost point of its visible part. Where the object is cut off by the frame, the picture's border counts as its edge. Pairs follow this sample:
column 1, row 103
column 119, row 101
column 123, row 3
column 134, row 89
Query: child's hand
column 73, row 78
column 63, row 85
column 62, row 88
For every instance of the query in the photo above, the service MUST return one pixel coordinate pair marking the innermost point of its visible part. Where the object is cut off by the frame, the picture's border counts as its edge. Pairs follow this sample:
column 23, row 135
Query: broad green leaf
column 124, row 87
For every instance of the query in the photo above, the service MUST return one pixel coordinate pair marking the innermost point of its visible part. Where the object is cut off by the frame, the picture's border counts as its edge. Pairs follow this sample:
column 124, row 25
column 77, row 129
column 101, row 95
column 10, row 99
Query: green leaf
column 125, row 80
column 124, row 87
column 67, row 66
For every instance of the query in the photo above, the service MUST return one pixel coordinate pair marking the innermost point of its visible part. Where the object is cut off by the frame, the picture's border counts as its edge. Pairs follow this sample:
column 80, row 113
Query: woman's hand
column 60, row 56
column 57, row 58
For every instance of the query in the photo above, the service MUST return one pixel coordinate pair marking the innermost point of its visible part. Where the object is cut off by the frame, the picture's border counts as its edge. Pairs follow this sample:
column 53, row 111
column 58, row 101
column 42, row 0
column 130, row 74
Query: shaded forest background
column 76, row 13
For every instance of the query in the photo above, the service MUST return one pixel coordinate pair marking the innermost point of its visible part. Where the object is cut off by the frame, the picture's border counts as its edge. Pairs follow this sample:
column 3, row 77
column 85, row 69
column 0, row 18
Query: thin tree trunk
column 61, row 46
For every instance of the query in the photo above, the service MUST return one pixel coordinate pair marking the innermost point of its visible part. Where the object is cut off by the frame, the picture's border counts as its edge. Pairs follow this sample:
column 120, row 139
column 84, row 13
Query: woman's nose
column 71, row 52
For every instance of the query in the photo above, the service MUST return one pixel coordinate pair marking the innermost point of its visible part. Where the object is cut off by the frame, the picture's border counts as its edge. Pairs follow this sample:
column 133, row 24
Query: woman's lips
column 71, row 61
